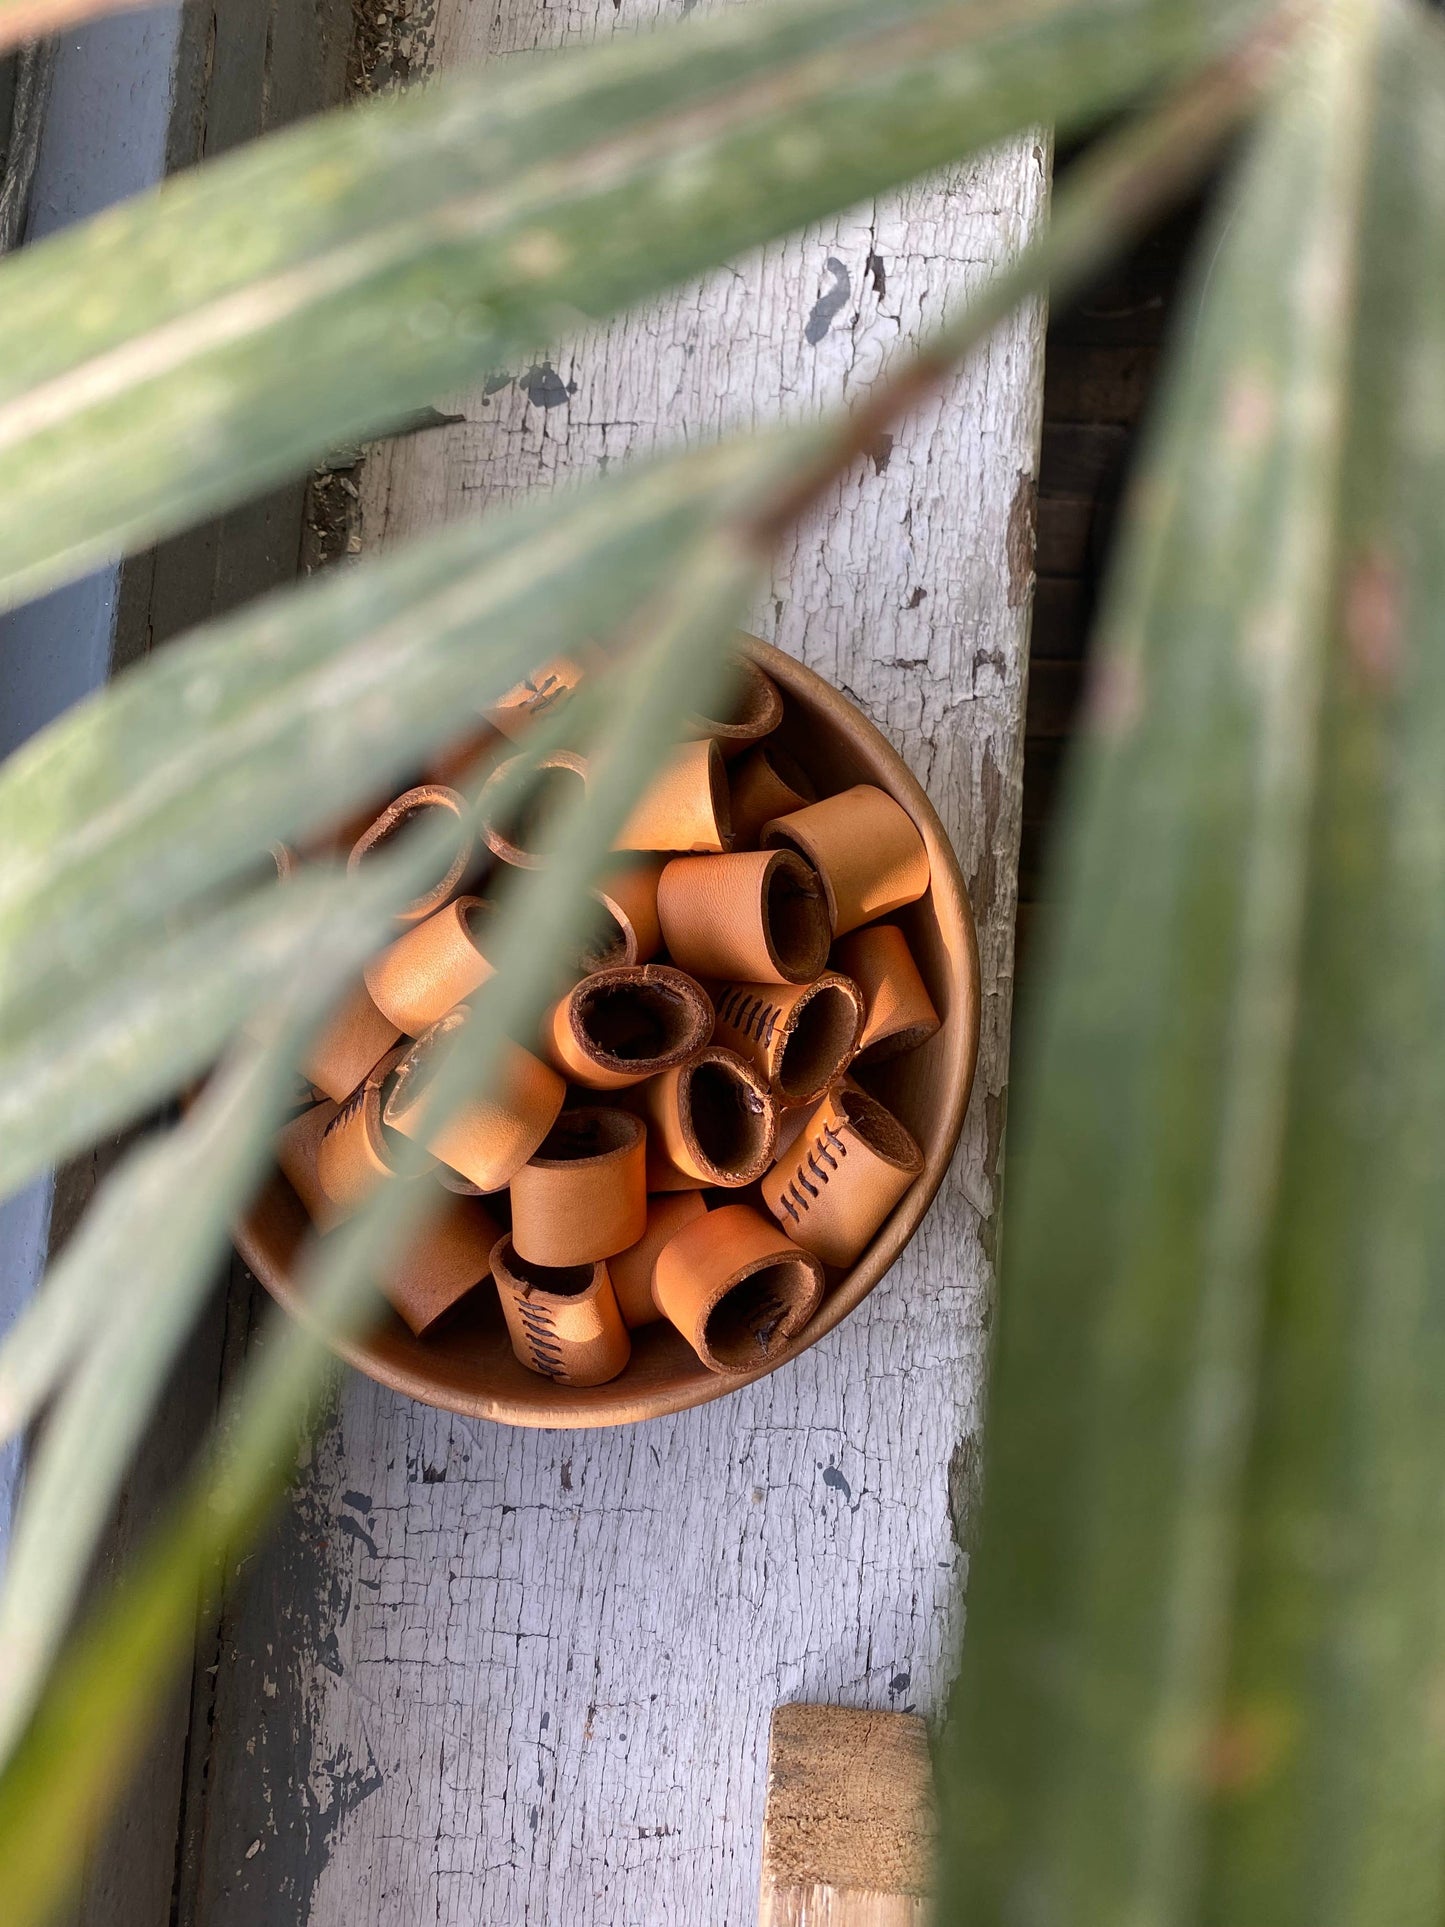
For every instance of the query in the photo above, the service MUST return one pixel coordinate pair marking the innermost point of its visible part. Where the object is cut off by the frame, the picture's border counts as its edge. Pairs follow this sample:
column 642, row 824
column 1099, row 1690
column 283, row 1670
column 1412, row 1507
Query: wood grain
column 482, row 1674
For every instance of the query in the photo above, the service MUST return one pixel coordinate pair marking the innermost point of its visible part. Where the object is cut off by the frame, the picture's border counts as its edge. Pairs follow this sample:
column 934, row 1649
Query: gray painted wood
column 480, row 1674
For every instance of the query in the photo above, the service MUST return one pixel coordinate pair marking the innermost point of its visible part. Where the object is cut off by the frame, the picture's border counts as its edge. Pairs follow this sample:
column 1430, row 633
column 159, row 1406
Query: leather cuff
column 297, row 1147
column 583, row 1196
column 631, row 1270
column 756, row 917
column 490, row 1139
column 445, row 1261
column 864, row 846
column 900, row 1014
column 355, row 1154
column 737, row 1290
column 517, row 819
column 753, row 710
column 800, row 1037
column 711, row 1121
column 764, row 784
column 432, row 968
column 402, row 815
column 687, row 806
column 535, row 696
column 461, row 761
column 625, row 1024
column 628, row 931
column 355, row 1037
column 563, row 1321
column 843, row 1176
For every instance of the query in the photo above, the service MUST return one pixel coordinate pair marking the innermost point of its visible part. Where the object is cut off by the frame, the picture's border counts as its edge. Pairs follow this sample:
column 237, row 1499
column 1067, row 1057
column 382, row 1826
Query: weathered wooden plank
column 481, row 1674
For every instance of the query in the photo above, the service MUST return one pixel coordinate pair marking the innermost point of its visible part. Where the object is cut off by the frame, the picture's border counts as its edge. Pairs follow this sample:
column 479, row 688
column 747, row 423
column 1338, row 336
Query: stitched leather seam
column 755, row 1017
column 796, row 1200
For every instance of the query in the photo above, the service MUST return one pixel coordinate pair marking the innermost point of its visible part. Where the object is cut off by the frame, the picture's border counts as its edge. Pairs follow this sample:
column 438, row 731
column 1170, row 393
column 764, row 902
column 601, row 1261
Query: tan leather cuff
column 404, row 814
column 631, row 1270
column 461, row 761
column 448, row 1258
column 711, row 1121
column 753, row 710
column 800, row 1037
column 535, row 696
column 756, row 917
column 687, row 806
column 492, row 1138
column 625, row 1024
column 517, row 817
column 563, row 1321
column 764, row 784
column 355, row 1037
column 900, row 1014
column 843, row 1176
column 583, row 1196
column 355, row 1154
column 432, row 968
column 865, row 847
column 737, row 1290
column 297, row 1147
column 628, row 932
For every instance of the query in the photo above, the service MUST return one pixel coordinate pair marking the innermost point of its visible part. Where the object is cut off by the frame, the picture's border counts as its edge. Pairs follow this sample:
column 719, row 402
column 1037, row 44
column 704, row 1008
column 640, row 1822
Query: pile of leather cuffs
column 685, row 1140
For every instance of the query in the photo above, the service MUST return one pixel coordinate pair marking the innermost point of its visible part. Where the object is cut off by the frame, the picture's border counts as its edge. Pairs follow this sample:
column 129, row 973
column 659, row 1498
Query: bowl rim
column 570, row 1408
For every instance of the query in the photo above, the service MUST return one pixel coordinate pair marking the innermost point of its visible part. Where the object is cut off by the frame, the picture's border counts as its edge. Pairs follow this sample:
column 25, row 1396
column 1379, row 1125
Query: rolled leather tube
column 711, row 1121
column 800, row 1037
column 755, row 917
column 517, row 812
column 432, row 967
column 624, row 1024
column 461, row 761
column 298, row 1145
column 355, row 1154
column 736, row 1288
column 866, row 848
column 353, row 1038
column 764, row 784
column 563, row 1321
column 445, row 1261
column 899, row 1013
column 535, row 696
column 404, row 814
column 583, row 1195
column 686, row 807
column 629, row 932
column 491, row 1138
column 842, row 1176
column 631, row 1270
column 752, row 709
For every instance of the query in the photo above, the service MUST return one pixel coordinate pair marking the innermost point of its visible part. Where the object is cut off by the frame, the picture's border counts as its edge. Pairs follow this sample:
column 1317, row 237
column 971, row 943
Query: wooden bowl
column 468, row 1365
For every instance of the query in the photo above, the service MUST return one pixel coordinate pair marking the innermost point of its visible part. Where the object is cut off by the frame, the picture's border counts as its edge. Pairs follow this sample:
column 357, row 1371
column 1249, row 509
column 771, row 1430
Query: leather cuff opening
column 819, row 1042
column 754, row 1320
column 795, row 916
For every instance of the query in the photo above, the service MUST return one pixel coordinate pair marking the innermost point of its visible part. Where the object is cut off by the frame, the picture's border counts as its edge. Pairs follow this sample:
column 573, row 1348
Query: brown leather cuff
column 764, row 784
column 843, row 1176
column 631, row 1270
column 432, row 968
column 800, row 1037
column 900, row 1014
column 864, row 846
column 756, row 917
column 737, row 1290
column 535, row 696
column 584, row 1194
column 753, row 710
column 297, row 1147
column 687, row 806
column 448, row 1258
column 461, row 761
column 355, row 1154
column 492, row 1138
column 628, row 931
column 711, row 1121
column 625, row 1024
column 517, row 817
column 563, row 1322
column 355, row 1037
column 404, row 814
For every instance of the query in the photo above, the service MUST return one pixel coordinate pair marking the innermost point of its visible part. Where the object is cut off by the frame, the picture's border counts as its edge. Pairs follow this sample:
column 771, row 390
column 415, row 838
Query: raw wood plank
column 491, row 1675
